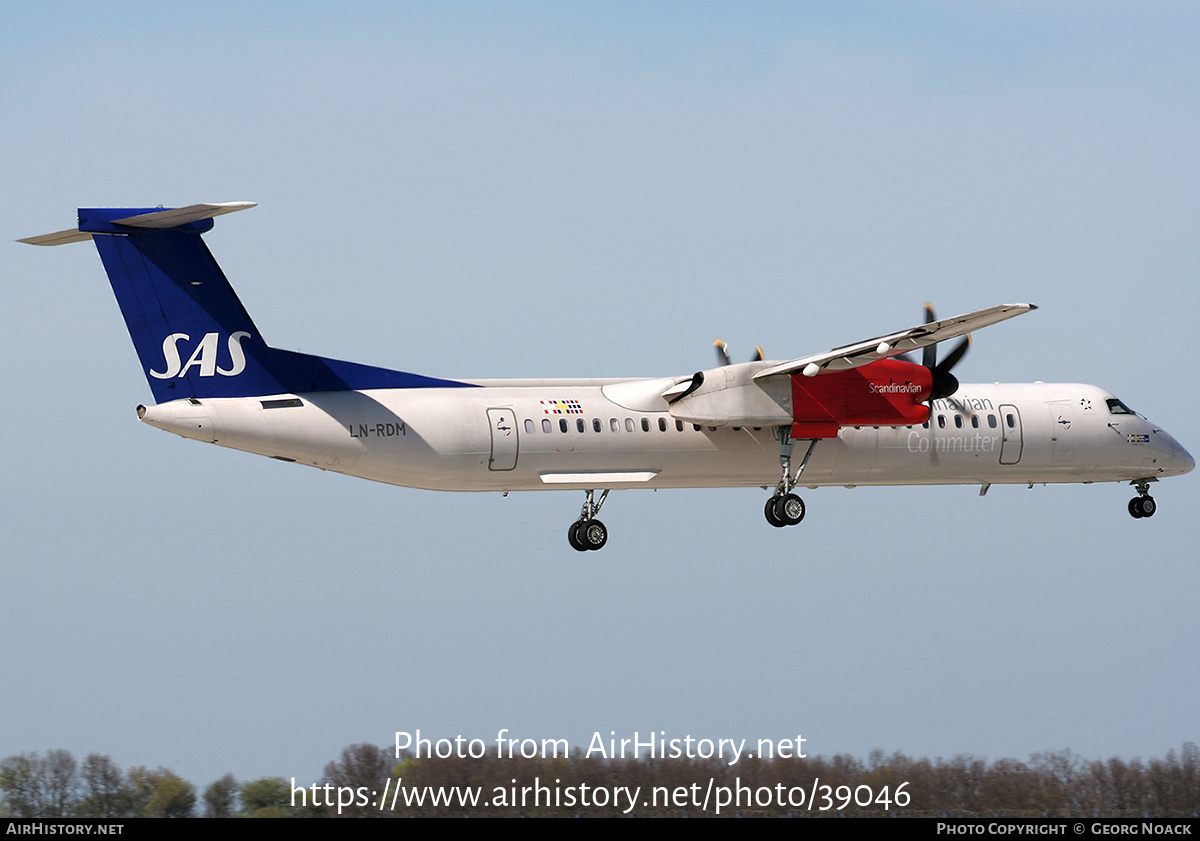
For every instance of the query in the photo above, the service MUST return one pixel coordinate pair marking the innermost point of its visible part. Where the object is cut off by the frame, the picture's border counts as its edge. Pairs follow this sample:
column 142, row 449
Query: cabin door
column 503, row 424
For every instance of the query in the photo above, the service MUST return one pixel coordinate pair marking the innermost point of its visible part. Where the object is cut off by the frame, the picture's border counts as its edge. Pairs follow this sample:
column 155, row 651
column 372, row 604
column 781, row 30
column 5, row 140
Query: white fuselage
column 583, row 434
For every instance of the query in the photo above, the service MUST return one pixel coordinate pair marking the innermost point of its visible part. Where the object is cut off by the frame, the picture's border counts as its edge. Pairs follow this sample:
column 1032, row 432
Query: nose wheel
column 1142, row 505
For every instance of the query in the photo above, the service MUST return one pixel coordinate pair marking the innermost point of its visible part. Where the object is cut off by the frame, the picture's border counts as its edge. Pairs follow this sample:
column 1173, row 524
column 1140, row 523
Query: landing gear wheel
column 592, row 534
column 772, row 516
column 789, row 509
column 573, row 537
column 1142, row 506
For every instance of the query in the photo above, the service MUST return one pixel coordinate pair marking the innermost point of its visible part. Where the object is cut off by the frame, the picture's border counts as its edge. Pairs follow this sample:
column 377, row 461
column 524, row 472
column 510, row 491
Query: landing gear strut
column 587, row 532
column 784, row 508
column 1142, row 505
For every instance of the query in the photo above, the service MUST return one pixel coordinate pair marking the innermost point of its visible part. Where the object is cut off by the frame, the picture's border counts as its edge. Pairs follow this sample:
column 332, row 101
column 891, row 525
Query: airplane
column 866, row 413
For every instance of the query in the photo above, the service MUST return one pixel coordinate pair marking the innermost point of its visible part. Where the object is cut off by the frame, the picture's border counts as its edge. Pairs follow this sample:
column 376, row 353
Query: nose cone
column 1183, row 461
column 1177, row 460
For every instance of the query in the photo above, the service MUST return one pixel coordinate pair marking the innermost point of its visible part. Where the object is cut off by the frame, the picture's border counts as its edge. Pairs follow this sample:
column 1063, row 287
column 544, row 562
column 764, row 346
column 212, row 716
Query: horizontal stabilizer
column 106, row 220
column 58, row 237
column 177, row 216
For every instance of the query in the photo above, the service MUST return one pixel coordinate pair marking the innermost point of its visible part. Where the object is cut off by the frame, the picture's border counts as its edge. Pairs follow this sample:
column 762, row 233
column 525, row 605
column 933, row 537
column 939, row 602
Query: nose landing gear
column 1142, row 505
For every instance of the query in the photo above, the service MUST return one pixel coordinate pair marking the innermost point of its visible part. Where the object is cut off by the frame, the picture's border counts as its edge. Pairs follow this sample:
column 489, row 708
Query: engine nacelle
column 730, row 396
column 890, row 392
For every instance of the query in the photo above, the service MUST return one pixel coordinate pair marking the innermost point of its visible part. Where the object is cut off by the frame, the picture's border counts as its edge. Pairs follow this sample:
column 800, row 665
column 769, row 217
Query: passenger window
column 991, row 421
column 941, row 421
column 613, row 425
column 528, row 426
column 679, row 426
column 562, row 424
column 645, row 424
column 580, row 425
column 546, row 427
column 958, row 421
column 629, row 424
column 1010, row 420
column 662, row 424
column 595, row 424
column 975, row 421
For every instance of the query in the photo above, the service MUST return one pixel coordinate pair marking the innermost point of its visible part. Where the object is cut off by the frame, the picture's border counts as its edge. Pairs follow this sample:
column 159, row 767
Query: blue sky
column 469, row 190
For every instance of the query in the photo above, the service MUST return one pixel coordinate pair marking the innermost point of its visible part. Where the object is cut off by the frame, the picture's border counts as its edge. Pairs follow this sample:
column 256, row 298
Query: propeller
column 723, row 353
column 944, row 383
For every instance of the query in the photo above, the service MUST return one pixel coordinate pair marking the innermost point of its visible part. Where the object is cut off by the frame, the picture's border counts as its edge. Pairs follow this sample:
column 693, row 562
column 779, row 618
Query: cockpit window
column 1116, row 407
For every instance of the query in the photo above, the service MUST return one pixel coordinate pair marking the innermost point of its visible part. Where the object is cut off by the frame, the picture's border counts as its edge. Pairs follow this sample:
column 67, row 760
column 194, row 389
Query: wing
column 894, row 344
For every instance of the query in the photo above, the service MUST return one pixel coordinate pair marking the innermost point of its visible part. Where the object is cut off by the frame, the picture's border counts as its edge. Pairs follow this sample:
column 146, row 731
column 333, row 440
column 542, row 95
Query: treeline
column 1055, row 784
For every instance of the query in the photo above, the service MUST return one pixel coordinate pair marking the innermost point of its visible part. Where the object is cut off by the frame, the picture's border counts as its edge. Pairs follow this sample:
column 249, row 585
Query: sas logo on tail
column 203, row 357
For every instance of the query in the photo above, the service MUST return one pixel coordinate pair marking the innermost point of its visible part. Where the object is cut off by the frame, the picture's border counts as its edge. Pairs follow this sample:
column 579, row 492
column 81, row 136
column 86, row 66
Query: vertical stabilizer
column 192, row 334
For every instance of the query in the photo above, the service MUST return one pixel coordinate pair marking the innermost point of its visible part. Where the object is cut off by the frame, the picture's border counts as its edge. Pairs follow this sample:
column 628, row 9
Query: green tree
column 60, row 784
column 161, row 793
column 105, row 793
column 220, row 798
column 21, row 782
column 268, row 797
column 362, row 768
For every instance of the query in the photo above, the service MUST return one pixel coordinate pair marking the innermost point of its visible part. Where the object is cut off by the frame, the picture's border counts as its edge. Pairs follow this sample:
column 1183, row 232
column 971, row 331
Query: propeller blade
column 929, row 352
column 723, row 353
column 955, row 356
column 944, row 383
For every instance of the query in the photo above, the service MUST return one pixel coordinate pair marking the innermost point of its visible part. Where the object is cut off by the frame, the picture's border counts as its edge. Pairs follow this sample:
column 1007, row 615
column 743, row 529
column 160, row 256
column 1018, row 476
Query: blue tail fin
column 192, row 334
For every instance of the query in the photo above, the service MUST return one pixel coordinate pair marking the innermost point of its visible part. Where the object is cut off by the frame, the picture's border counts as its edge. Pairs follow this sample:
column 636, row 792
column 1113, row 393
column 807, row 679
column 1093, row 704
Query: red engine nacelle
column 890, row 392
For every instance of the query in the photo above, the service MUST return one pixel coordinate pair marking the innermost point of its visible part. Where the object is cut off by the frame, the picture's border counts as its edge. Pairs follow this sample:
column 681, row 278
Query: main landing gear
column 587, row 532
column 1142, row 505
column 784, row 508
